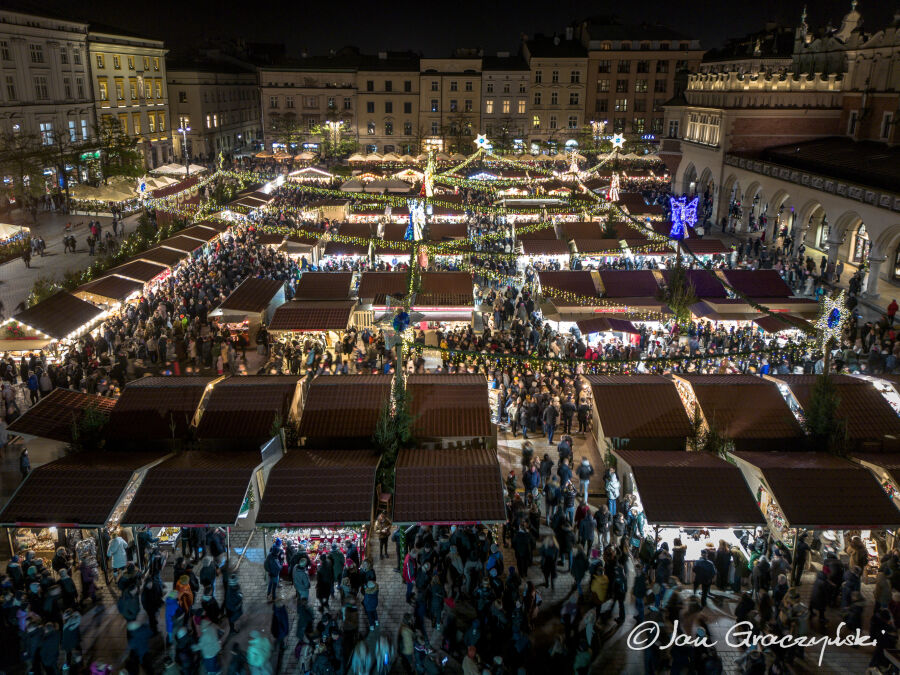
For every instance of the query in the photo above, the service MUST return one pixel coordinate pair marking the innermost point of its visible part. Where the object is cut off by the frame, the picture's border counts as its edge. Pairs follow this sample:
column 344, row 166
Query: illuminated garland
column 585, row 301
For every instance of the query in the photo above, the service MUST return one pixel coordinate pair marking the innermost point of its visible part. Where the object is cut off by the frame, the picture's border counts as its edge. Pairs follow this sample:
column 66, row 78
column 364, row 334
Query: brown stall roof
column 380, row 284
column 603, row 324
column 706, row 284
column 78, row 490
column 357, row 229
column 444, row 231
column 868, row 414
column 343, row 407
column 246, row 407
column 639, row 406
column 675, row 489
column 888, row 461
column 450, row 405
column 821, row 491
column 628, row 283
column 303, row 239
column 111, row 288
column 311, row 316
column 182, row 243
column 744, row 406
column 194, row 489
column 758, row 283
column 544, row 233
column 706, row 246
column 162, row 256
column 269, row 238
column 445, row 289
column 253, row 295
column 594, row 246
column 59, row 315
column 139, row 270
column 448, row 486
column 580, row 230
column 775, row 323
column 201, row 232
column 395, row 232
column 579, row 282
column 150, row 406
column 544, row 247
column 324, row 286
column 216, row 225
column 342, row 248
column 319, row 487
column 634, row 203
column 53, row 415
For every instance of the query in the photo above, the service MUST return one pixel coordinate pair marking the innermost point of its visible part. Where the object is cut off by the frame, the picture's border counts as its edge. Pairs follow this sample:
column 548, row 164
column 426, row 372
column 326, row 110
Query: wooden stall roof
column 579, row 282
column 343, row 407
column 246, row 407
column 379, row 285
column 162, row 256
column 252, row 295
column 53, row 415
column 139, row 270
column 59, row 315
column 628, row 283
column 182, row 243
column 324, row 286
column 312, row 316
column 639, row 406
column 544, row 247
column 112, row 287
column 706, row 284
column 150, row 407
column 758, row 283
column 450, row 406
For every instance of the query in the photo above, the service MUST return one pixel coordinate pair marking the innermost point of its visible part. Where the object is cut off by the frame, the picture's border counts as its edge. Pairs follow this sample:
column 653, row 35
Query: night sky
column 434, row 29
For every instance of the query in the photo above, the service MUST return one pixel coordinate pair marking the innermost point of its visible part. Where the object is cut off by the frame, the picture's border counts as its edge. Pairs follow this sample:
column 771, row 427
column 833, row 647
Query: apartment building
column 129, row 81
column 387, row 93
column 450, row 102
column 219, row 103
column 505, row 86
column 632, row 71
column 44, row 77
column 558, row 67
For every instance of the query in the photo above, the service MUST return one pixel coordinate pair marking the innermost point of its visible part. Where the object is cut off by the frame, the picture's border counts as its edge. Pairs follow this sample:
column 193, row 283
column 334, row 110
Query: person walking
column 584, row 473
column 151, row 601
column 383, row 530
column 234, row 603
column 611, row 484
column 370, row 604
column 24, row 463
column 550, row 416
column 209, row 647
column 272, row 566
column 704, row 573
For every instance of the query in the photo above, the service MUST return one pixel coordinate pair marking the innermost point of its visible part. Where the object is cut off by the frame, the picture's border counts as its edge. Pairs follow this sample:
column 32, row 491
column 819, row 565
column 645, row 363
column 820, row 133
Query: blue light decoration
column 684, row 215
column 830, row 323
column 834, row 318
column 401, row 321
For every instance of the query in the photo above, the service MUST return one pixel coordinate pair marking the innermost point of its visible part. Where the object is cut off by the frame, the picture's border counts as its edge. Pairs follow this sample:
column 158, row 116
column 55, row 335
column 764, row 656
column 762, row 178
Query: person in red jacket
column 892, row 310
column 409, row 573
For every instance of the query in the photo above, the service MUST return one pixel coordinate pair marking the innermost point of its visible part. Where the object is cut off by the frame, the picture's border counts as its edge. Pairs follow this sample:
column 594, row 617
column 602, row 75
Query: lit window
column 506, row 106
column 536, row 122
column 521, row 106
column 46, row 129
column 117, row 62
column 151, row 123
column 101, row 61
column 573, row 121
column 131, row 62
column 103, row 89
column 489, row 106
column 155, row 63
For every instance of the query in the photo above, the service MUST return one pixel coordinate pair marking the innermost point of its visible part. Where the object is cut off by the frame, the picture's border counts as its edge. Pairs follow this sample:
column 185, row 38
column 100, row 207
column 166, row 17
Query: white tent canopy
column 352, row 185
column 178, row 169
column 8, row 230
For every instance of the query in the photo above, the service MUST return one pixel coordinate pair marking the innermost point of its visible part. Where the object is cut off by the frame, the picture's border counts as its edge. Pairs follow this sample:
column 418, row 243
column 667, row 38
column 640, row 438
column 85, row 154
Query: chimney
column 570, row 32
column 382, row 56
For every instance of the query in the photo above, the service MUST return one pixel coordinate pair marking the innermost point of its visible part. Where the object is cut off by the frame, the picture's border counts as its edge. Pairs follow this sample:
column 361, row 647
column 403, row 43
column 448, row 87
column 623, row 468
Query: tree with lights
column 119, row 155
column 22, row 158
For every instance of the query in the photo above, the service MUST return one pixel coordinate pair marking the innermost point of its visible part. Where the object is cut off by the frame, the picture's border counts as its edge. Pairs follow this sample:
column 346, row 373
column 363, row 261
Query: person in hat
column 301, row 578
column 370, row 604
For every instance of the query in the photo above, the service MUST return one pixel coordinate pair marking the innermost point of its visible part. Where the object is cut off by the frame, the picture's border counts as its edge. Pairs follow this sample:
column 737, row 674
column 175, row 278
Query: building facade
column 130, row 87
column 558, row 68
column 505, row 87
column 450, row 102
column 46, row 89
column 219, row 103
column 387, row 93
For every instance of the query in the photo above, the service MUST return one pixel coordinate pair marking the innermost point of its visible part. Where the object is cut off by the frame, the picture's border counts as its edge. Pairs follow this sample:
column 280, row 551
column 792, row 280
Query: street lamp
column 334, row 129
column 183, row 130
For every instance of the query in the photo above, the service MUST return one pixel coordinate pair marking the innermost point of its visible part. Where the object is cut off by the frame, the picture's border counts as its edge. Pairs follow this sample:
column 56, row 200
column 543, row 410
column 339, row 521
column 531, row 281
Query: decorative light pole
column 184, row 129
column 333, row 134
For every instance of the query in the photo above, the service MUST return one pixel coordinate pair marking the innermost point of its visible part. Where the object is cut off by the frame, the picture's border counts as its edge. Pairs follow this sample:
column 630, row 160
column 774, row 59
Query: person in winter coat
column 272, row 566
column 304, row 618
column 138, row 641
column 48, row 650
column 761, row 575
column 859, row 556
column 151, row 601
column 117, row 554
column 723, row 563
column 71, row 637
column 280, row 626
column 521, row 545
column 579, row 568
column 129, row 604
column 68, row 590
column 185, row 594
column 172, row 608
column 370, row 604
column 337, row 560
column 819, row 597
column 301, row 579
column 586, row 533
column 324, row 583
column 611, row 485
column 549, row 555
column 210, row 606
column 234, row 603
column 584, row 473
column 704, row 573
column 209, row 647
column 259, row 653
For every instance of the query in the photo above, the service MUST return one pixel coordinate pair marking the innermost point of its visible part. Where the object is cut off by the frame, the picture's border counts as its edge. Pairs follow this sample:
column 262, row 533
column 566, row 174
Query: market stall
column 445, row 299
column 59, row 318
column 249, row 306
column 110, row 291
column 327, row 319
column 9, row 234
column 451, row 411
column 544, row 253
column 323, row 286
column 342, row 411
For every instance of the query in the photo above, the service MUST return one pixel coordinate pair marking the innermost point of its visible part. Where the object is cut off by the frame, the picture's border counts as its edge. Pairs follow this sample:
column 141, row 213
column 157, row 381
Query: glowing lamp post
column 184, row 129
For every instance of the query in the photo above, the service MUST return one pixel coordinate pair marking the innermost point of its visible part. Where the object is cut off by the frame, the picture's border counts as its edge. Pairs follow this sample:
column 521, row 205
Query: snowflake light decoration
column 830, row 323
column 684, row 215
column 618, row 140
column 481, row 142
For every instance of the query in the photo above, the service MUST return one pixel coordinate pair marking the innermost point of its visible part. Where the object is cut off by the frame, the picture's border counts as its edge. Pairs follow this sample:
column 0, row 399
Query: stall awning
column 544, row 247
column 252, row 296
column 345, row 249
column 888, row 462
column 78, row 490
column 246, row 407
column 324, row 286
column 706, row 246
column 448, row 486
column 779, row 322
column 691, row 489
column 182, row 243
column 379, row 284
column 201, row 232
column 139, row 270
column 194, row 489
column 603, row 324
column 60, row 316
column 308, row 317
column 639, row 406
column 628, row 283
column 150, row 407
column 52, row 417
column 163, row 256
column 109, row 289
column 445, row 289
column 818, row 490
column 447, row 406
column 706, row 284
column 758, row 283
column 320, row 488
column 343, row 407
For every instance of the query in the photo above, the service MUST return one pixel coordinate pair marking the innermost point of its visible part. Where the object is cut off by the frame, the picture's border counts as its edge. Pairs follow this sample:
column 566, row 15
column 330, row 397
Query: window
column 76, row 56
column 407, row 128
column 64, row 56
column 521, row 87
column 273, row 101
column 554, row 97
column 209, row 121
column 537, row 76
column 84, row 130
column 120, row 89
column 468, row 105
column 621, row 86
column 663, row 46
column 619, row 125
column 117, row 62
column 703, row 128
column 132, row 85
column 658, row 104
column 537, row 98
column 37, row 53
column 407, row 86
column 103, row 89
column 536, row 122
column 861, row 244
column 851, row 122
column 489, row 88
column 554, row 77
column 370, row 128
column 407, row 107
column 434, row 105
column 521, row 108
column 330, row 103
column 506, row 87
column 158, row 88
column 41, row 88
column 79, row 87
column 662, row 66
column 67, row 87
column 673, row 128
column 656, row 125
column 73, row 131
column 575, row 77
column 161, row 117
column 625, row 46
column 348, row 102
column 454, row 85
column 454, row 106
column 681, row 64
column 215, row 120
column 624, row 67
column 146, row 63
column 182, row 97
column 388, row 128
column 370, row 85
column 489, row 106
column 886, row 121
column 434, row 85
column 288, row 101
column 388, row 85
column 640, row 105
column 573, row 98
column 156, row 63
column 606, row 46
column 604, row 66
column 621, row 105
column 602, row 85
column 46, row 129
column 637, row 125
column 506, row 106
column 434, row 129
column 659, row 87
column 640, row 86
column 573, row 121
column 388, row 107
column 5, row 54
column 131, row 62
column 136, row 123
column 643, row 66
column 468, row 86
column 602, row 105
column 101, row 61
column 370, row 107
column 553, row 121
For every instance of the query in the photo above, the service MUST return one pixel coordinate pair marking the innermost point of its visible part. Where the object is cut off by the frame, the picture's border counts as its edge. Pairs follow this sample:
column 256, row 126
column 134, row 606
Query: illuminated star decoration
column 684, row 215
column 481, row 142
column 618, row 140
column 830, row 323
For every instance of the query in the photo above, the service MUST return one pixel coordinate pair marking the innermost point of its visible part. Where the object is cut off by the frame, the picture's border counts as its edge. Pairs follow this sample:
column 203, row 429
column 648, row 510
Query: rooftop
column 311, row 316
column 324, row 286
column 157, row 408
column 59, row 315
column 247, row 407
column 53, row 415
column 253, row 295
column 639, row 406
column 343, row 406
column 450, row 406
